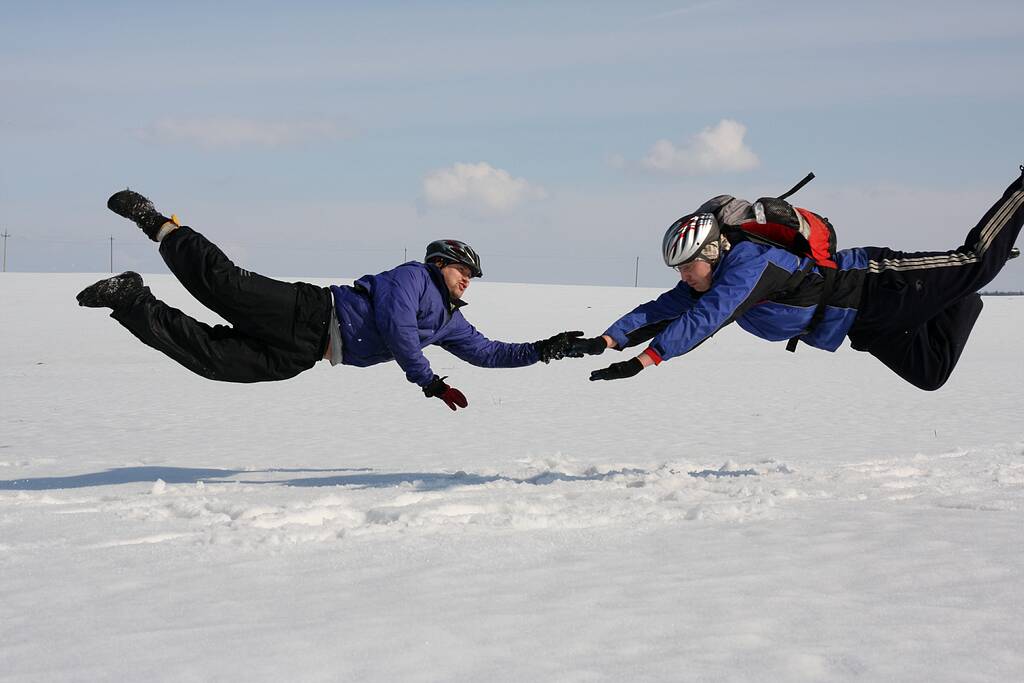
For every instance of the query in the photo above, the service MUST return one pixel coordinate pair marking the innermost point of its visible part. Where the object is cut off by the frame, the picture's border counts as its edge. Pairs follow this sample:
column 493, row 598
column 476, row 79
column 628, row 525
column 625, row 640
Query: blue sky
column 560, row 139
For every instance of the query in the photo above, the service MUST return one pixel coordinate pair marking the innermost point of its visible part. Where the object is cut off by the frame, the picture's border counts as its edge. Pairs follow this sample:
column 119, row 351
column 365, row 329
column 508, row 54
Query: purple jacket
column 752, row 285
column 393, row 315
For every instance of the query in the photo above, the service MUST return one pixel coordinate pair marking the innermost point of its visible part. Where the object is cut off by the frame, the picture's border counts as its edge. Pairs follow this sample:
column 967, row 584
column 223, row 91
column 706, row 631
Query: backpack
column 774, row 221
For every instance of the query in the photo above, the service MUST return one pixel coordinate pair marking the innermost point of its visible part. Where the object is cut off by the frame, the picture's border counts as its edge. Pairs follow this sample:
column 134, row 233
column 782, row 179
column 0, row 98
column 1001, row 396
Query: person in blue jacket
column 914, row 311
column 279, row 329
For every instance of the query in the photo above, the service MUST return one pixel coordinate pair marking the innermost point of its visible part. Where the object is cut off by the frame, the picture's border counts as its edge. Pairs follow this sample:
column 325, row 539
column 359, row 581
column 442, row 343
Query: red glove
column 452, row 397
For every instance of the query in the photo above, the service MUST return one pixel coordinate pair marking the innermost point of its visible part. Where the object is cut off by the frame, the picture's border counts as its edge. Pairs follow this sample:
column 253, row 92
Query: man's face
column 456, row 278
column 697, row 274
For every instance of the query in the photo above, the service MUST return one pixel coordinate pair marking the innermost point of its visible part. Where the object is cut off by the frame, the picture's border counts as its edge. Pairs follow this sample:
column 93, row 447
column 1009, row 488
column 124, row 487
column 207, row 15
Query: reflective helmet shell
column 685, row 238
column 456, row 252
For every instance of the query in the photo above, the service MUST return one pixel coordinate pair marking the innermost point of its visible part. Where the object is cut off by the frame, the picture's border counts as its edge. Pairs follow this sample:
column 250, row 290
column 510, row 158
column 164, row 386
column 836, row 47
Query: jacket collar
column 450, row 304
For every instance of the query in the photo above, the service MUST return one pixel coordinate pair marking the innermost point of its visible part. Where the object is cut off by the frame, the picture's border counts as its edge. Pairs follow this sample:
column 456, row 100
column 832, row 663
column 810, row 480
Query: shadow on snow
column 134, row 475
column 355, row 477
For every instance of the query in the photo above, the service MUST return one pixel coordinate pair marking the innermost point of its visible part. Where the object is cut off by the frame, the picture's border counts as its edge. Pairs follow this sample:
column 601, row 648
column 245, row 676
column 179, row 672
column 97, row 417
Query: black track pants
column 278, row 329
column 918, row 308
column 926, row 355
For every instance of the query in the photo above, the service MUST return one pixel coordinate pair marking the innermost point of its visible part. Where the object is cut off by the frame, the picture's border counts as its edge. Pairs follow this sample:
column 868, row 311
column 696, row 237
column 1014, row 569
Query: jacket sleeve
column 468, row 344
column 647, row 320
column 395, row 307
column 740, row 282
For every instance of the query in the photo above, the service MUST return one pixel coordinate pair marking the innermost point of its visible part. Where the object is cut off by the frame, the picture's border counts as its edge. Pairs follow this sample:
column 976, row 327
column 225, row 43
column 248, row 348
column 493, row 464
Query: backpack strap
column 829, row 275
column 807, row 178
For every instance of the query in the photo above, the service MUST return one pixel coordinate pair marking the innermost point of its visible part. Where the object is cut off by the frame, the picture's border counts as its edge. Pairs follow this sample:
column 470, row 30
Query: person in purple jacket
column 913, row 311
column 279, row 329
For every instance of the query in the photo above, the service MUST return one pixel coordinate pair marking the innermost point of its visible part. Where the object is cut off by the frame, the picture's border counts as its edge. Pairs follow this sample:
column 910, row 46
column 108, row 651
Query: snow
column 740, row 513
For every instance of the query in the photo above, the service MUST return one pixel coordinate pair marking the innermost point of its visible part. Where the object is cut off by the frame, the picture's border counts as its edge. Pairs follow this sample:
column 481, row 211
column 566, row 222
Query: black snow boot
column 1014, row 253
column 136, row 208
column 113, row 292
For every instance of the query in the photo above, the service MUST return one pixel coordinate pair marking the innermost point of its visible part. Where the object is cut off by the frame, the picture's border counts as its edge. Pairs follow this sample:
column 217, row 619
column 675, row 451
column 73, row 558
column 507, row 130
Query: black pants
column 278, row 329
column 918, row 308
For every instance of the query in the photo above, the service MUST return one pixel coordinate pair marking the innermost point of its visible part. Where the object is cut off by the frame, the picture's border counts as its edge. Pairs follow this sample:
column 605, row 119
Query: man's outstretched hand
column 452, row 397
column 592, row 346
column 622, row 370
column 558, row 347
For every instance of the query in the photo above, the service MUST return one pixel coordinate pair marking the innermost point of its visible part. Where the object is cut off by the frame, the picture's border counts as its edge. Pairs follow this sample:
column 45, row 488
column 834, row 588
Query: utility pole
column 5, row 235
column 636, row 273
column 111, row 253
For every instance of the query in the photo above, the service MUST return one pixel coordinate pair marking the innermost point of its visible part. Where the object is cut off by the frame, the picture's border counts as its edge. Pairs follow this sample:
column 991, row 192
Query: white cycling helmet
column 686, row 238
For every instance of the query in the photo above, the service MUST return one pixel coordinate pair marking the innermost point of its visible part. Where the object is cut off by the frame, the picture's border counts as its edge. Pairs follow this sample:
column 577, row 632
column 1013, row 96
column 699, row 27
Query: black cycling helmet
column 455, row 252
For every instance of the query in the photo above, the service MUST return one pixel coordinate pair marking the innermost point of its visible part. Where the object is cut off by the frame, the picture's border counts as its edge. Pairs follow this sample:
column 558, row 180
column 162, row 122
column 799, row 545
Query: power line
column 131, row 249
column 46, row 240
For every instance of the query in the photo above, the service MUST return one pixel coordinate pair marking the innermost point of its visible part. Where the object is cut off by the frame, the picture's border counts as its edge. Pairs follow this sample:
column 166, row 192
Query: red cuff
column 653, row 355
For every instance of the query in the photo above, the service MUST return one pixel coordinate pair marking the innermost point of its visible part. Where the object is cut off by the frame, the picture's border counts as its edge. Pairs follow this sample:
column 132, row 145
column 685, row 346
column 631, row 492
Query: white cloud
column 714, row 149
column 478, row 186
column 237, row 132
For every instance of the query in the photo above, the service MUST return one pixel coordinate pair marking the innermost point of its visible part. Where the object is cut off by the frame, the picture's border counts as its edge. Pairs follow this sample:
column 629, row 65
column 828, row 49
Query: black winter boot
column 112, row 292
column 136, row 208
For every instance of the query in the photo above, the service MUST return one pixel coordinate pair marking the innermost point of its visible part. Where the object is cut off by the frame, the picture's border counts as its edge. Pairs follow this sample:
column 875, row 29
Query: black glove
column 451, row 396
column 557, row 347
column 622, row 370
column 593, row 346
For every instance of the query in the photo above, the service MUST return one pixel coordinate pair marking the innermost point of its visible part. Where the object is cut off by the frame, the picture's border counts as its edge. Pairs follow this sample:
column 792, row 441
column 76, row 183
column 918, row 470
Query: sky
column 559, row 139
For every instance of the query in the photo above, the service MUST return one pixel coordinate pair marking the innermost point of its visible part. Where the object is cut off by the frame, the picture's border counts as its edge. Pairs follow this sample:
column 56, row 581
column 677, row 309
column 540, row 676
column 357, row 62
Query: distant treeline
column 1000, row 292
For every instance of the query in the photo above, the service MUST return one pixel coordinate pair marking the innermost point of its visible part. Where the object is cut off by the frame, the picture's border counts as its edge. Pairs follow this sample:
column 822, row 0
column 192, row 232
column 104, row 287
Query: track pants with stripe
column 917, row 309
column 278, row 329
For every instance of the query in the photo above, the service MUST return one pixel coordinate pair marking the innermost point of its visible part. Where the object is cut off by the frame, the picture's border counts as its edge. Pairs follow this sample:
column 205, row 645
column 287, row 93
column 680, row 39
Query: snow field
column 738, row 514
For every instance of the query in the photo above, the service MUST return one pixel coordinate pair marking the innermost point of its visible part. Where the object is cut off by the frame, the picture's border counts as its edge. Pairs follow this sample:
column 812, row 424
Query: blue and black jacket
column 769, row 292
column 395, row 314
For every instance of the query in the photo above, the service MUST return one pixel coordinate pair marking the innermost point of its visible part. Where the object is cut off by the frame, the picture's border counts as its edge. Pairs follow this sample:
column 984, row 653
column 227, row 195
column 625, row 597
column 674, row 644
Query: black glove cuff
column 436, row 387
column 596, row 346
